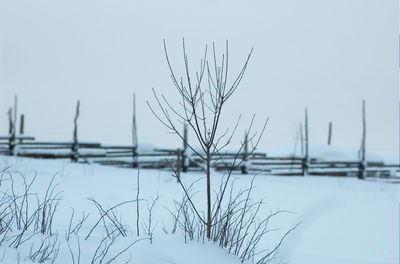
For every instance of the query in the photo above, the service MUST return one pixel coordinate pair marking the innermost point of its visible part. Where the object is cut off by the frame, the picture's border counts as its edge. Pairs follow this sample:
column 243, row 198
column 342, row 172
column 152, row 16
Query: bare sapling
column 149, row 225
column 203, row 96
column 231, row 218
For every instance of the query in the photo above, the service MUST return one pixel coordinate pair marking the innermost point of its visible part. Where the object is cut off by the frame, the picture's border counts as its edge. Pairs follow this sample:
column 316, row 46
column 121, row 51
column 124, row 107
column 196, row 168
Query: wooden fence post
column 135, row 163
column 178, row 165
column 15, row 115
column 12, row 129
column 245, row 154
column 10, row 122
column 21, row 126
column 329, row 133
column 306, row 156
column 361, row 170
column 185, row 148
column 75, row 144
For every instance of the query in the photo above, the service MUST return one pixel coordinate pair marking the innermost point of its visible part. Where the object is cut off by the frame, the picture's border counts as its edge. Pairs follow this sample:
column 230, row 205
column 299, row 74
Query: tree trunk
column 208, row 161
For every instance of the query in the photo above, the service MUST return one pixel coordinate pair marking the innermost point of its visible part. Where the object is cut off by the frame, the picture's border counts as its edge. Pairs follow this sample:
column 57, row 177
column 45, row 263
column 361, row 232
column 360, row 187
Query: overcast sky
column 324, row 54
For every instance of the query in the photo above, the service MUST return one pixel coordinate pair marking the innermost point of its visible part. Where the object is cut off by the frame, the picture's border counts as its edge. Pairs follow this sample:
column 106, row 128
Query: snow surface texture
column 343, row 220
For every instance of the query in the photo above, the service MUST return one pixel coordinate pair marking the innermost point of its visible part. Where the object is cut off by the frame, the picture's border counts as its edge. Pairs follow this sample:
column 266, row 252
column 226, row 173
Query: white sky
column 324, row 54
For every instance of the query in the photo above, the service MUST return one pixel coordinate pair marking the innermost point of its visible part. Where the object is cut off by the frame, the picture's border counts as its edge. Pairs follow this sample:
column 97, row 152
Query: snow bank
column 343, row 220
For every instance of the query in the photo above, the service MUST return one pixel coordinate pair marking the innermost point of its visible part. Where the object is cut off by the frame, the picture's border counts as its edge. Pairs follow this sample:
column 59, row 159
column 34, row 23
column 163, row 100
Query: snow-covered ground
column 343, row 220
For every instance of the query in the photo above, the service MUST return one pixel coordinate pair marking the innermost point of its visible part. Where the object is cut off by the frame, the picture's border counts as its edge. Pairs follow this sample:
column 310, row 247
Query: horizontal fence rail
column 180, row 159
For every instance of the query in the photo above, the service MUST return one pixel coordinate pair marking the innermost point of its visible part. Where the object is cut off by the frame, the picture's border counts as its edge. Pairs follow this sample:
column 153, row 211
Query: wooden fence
column 130, row 157
column 181, row 159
